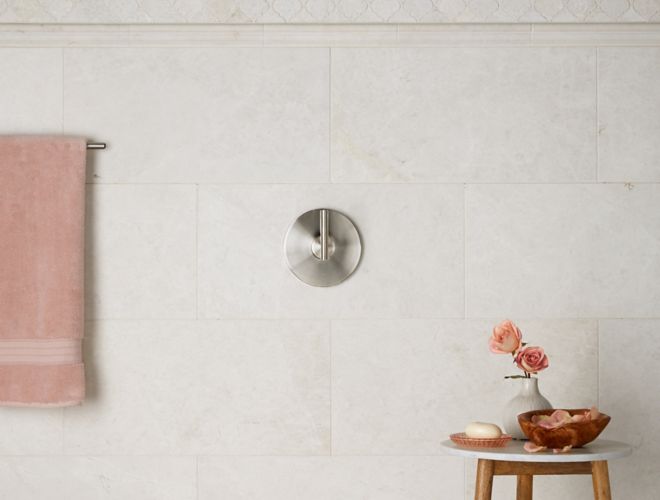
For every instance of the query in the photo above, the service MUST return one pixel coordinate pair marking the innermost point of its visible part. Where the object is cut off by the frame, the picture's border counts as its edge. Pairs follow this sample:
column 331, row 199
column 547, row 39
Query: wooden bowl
column 575, row 434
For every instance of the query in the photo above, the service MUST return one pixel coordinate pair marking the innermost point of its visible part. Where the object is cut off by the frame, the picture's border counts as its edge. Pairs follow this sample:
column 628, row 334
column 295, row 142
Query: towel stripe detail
column 40, row 351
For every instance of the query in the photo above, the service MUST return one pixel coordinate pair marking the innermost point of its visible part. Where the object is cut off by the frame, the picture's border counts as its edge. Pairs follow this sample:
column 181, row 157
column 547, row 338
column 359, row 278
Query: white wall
column 511, row 177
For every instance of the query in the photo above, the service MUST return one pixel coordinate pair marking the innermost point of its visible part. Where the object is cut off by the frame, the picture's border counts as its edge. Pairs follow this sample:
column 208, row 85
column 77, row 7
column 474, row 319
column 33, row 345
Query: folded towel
column 42, row 212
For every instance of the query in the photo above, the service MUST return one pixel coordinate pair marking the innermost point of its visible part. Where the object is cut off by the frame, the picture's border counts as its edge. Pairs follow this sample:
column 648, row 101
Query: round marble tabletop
column 600, row 449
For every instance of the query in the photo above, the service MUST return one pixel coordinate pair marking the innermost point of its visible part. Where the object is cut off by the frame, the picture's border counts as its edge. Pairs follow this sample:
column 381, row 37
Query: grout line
column 376, row 183
column 597, row 116
column 598, row 363
column 330, row 114
column 196, row 251
column 465, row 269
column 485, row 45
column 197, row 477
column 331, row 374
column 379, row 318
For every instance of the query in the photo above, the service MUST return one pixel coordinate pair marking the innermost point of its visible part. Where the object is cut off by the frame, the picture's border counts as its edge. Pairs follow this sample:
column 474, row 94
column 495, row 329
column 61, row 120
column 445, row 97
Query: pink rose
column 506, row 338
column 532, row 359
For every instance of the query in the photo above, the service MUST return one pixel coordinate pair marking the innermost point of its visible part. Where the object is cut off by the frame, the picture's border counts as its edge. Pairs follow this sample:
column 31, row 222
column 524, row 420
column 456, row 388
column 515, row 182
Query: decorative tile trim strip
column 309, row 35
column 331, row 11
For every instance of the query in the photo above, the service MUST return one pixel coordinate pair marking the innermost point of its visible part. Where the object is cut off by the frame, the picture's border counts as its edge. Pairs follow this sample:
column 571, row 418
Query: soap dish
column 462, row 440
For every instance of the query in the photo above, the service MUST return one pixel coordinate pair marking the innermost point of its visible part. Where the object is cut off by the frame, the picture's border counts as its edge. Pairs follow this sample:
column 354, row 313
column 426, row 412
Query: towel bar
column 96, row 145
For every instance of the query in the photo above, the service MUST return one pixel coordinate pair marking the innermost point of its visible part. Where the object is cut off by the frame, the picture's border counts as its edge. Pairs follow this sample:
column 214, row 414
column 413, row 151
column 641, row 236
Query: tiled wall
column 487, row 182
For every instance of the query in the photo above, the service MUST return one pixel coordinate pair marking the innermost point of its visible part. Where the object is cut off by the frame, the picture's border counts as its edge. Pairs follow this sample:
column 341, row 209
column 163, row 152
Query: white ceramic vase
column 529, row 398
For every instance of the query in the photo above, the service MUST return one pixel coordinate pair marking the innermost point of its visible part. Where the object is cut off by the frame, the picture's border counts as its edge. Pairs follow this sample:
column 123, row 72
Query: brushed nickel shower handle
column 335, row 252
column 324, row 226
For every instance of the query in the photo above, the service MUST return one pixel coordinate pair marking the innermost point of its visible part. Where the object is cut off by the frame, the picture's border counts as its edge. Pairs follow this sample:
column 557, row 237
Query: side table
column 513, row 460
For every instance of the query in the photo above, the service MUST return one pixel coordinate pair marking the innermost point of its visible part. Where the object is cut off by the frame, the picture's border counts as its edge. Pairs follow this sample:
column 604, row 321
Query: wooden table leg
column 601, row 480
column 484, row 486
column 524, row 487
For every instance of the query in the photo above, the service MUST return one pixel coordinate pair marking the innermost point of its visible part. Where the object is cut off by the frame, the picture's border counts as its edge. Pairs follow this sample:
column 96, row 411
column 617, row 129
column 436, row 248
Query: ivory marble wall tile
column 629, row 113
column 265, row 388
column 141, row 379
column 563, row 250
column 394, row 386
column 20, row 425
column 401, row 387
column 30, row 91
column 629, row 374
column 140, row 251
column 186, row 387
column 201, row 115
column 331, row 478
column 463, row 115
column 412, row 261
column 571, row 381
column 98, row 478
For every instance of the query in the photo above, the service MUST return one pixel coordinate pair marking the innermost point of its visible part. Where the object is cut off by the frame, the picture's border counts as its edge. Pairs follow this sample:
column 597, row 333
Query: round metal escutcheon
column 303, row 247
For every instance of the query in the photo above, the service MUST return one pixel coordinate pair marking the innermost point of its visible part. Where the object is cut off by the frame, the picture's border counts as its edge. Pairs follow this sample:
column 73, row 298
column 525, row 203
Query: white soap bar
column 482, row 430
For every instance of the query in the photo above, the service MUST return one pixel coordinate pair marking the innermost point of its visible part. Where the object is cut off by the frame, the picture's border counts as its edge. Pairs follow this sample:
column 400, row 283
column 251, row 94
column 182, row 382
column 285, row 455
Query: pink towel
column 42, row 213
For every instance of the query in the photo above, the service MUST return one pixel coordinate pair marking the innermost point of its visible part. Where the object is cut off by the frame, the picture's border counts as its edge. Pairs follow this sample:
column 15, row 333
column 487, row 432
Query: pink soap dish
column 462, row 440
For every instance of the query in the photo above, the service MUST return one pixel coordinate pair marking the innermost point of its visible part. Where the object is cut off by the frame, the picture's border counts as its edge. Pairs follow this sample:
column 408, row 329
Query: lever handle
column 324, row 226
